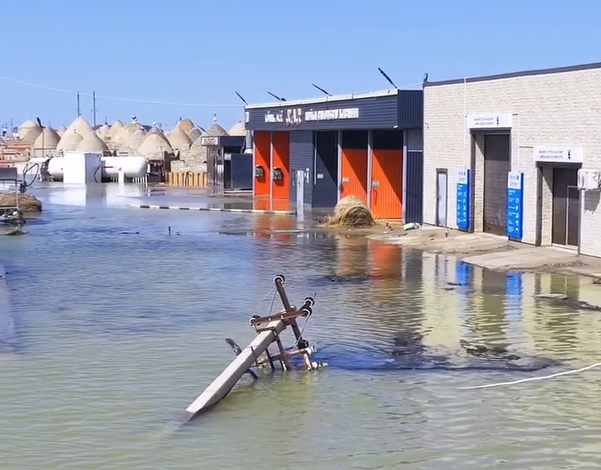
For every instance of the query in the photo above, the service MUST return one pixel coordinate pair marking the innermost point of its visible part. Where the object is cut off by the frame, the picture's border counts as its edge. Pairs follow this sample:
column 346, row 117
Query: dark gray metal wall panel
column 380, row 112
column 242, row 173
column 414, row 181
column 302, row 153
column 414, row 193
column 411, row 109
column 325, row 190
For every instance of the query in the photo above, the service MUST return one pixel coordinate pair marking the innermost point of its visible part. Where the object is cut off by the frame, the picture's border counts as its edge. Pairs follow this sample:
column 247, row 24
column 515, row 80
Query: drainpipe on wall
column 248, row 144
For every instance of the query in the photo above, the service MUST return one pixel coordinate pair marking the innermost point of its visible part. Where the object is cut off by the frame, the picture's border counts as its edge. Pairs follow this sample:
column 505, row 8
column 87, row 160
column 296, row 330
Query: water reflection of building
column 267, row 226
column 441, row 307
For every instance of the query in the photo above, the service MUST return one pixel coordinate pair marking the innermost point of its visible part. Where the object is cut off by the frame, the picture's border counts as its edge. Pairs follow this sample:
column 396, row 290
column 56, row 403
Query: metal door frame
column 442, row 171
column 568, row 215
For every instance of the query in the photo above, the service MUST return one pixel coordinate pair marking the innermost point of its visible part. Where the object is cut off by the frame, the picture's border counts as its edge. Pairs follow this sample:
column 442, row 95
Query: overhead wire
column 129, row 100
column 126, row 100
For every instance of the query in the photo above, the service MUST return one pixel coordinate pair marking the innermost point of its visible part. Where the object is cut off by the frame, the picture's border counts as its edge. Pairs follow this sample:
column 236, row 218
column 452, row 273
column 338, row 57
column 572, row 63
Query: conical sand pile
column 102, row 131
column 194, row 134
column 237, row 129
column 61, row 131
column 69, row 141
column 154, row 147
column 216, row 130
column 91, row 143
column 179, row 139
column 48, row 140
column 80, row 125
column 185, row 125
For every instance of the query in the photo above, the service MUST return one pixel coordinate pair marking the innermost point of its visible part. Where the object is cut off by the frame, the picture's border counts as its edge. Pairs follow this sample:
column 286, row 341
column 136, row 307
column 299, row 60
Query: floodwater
column 110, row 327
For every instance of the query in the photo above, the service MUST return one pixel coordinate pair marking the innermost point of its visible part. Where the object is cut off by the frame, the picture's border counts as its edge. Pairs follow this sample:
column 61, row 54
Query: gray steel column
column 404, row 179
column 271, row 170
column 339, row 175
column 248, row 143
column 370, row 139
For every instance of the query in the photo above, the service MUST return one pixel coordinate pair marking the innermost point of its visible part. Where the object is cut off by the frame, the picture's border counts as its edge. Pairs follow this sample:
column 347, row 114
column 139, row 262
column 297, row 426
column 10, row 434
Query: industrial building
column 317, row 151
column 503, row 154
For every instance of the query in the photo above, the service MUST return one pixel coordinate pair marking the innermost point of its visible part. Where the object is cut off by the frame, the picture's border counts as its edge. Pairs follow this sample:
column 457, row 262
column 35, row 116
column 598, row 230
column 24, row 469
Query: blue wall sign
column 463, row 198
column 515, row 204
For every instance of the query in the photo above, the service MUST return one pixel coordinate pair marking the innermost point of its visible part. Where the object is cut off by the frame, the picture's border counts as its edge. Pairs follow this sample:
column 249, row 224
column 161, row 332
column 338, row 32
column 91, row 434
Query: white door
column 441, row 198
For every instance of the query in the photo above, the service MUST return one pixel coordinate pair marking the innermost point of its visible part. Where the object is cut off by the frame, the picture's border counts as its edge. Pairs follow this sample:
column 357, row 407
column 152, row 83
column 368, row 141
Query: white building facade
column 502, row 155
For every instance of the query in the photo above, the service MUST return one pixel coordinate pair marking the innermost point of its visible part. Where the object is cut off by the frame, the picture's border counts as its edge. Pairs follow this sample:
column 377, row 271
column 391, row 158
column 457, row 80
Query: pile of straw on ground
column 351, row 211
column 27, row 202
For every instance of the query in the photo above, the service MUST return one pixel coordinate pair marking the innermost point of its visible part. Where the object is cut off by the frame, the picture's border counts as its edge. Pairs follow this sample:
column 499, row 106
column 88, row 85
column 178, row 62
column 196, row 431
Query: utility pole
column 94, row 107
column 78, row 108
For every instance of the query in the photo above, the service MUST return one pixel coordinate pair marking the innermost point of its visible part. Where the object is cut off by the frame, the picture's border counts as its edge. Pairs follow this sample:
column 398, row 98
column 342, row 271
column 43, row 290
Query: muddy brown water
column 113, row 327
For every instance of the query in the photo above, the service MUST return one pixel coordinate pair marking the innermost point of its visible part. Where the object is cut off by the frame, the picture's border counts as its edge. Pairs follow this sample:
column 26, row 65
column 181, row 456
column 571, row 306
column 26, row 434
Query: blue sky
column 200, row 52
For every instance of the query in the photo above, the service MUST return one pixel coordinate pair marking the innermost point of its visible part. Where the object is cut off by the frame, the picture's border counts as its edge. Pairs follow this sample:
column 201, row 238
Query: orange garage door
column 386, row 184
column 353, row 173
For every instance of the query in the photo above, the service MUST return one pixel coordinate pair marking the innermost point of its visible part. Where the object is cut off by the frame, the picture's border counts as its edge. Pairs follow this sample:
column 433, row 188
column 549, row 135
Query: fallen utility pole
column 268, row 329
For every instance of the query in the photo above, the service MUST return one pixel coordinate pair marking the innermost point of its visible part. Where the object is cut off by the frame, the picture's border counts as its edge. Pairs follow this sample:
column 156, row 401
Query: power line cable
column 112, row 98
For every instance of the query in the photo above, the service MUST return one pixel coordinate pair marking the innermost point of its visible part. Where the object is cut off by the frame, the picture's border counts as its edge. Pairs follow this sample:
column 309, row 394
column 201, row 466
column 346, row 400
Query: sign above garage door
column 489, row 121
column 558, row 154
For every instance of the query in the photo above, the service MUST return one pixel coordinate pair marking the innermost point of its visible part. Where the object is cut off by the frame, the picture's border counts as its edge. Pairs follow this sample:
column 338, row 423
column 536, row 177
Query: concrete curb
column 212, row 209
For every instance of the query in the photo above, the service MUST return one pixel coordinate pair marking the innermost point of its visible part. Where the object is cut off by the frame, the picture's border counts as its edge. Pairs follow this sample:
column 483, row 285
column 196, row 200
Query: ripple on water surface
column 114, row 332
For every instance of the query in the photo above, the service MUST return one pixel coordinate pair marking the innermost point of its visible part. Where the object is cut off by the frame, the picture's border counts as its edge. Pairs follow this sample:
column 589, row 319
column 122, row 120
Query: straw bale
column 91, row 143
column 27, row 202
column 216, row 130
column 351, row 211
column 69, row 141
column 179, row 139
column 185, row 125
column 237, row 129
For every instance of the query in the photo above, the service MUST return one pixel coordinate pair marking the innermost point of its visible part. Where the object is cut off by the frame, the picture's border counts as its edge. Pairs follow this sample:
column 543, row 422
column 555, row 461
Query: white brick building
column 545, row 124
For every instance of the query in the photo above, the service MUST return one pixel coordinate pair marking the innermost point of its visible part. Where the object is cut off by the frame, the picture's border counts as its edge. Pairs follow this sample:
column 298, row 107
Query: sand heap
column 80, row 125
column 46, row 142
column 216, row 130
column 185, row 125
column 133, row 141
column 102, row 131
column 178, row 139
column 114, row 129
column 69, row 141
column 237, row 129
column 29, row 131
column 154, row 146
column 61, row 131
column 351, row 211
column 194, row 134
column 121, row 138
column 23, row 128
column 27, row 202
column 91, row 143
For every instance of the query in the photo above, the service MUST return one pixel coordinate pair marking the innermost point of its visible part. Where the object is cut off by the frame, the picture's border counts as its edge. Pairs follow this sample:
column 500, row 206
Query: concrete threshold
column 212, row 209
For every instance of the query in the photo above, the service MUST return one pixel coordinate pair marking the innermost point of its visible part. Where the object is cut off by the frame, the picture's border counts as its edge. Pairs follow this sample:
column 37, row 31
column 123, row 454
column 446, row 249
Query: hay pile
column 351, row 211
column 27, row 202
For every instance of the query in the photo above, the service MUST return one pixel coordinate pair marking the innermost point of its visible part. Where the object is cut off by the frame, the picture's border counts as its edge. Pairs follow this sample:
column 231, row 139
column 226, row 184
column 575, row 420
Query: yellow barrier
column 187, row 179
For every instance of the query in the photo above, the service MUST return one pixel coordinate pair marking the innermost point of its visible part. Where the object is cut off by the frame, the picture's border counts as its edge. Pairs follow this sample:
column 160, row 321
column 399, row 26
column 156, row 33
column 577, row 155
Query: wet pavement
column 110, row 326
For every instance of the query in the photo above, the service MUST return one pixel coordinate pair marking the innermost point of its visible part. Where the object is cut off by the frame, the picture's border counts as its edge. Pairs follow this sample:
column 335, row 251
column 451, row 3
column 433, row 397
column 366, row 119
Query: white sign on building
column 567, row 154
column 332, row 114
column 489, row 121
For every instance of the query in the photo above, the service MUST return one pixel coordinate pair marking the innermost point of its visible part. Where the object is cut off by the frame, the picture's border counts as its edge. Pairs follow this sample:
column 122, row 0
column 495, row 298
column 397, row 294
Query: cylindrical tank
column 132, row 167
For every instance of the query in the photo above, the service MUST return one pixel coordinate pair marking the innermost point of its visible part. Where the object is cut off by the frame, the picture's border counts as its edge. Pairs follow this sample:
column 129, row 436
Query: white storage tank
column 132, row 167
